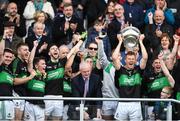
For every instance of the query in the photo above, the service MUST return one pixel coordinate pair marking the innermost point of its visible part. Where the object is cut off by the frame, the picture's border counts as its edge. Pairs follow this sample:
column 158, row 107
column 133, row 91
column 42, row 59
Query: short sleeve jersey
column 36, row 88
column 128, row 82
column 19, row 69
column 6, row 81
column 155, row 83
column 55, row 74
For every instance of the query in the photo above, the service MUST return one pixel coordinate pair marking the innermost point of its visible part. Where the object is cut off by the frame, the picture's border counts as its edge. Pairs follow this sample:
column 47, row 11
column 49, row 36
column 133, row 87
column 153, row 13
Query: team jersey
column 19, row 69
column 36, row 88
column 6, row 81
column 55, row 74
column 155, row 83
column 128, row 82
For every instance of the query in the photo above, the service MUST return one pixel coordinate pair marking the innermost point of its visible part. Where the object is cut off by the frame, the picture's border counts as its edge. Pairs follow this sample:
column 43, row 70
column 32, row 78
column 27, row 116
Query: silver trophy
column 130, row 35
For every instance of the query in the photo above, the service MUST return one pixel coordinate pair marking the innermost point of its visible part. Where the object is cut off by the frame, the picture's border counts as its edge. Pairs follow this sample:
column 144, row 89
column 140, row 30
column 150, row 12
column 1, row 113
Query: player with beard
column 157, row 80
column 128, row 80
column 6, row 81
column 22, row 76
column 54, row 84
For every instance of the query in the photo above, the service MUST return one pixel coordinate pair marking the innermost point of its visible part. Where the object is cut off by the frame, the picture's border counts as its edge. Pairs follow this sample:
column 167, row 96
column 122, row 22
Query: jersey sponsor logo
column 55, row 74
column 66, row 86
column 6, row 78
column 133, row 80
column 36, row 85
column 158, row 84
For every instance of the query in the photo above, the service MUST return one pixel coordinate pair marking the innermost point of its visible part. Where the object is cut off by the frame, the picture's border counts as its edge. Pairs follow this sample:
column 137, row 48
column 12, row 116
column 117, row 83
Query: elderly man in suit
column 86, row 84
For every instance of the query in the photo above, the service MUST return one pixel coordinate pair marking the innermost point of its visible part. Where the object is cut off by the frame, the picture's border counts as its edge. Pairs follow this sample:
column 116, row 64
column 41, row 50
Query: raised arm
column 2, row 46
column 116, row 54
column 31, row 57
column 73, row 54
column 101, row 54
column 18, row 81
column 73, row 49
column 175, row 47
column 170, row 63
column 143, row 51
column 166, row 71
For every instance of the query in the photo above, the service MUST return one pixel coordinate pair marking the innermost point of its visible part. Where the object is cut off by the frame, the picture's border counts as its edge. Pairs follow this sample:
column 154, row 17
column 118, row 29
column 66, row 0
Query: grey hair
column 83, row 65
column 38, row 23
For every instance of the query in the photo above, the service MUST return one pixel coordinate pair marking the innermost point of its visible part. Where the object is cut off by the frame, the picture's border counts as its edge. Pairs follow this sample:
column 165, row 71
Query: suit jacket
column 30, row 39
column 78, row 91
column 94, row 90
column 113, row 29
column 64, row 37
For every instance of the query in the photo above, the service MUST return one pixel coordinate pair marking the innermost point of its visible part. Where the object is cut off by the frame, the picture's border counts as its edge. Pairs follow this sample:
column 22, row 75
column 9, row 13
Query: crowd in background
column 75, row 48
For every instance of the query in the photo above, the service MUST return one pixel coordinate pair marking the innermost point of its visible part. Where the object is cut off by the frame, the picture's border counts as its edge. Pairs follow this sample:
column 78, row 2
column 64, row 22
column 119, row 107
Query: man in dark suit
column 63, row 27
column 86, row 84
column 41, row 38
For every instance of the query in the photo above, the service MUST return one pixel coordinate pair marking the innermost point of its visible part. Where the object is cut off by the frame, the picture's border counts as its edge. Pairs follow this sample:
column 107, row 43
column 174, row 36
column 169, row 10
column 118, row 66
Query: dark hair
column 9, row 24
column 167, row 36
column 130, row 53
column 50, row 45
column 37, row 59
column 8, row 50
column 20, row 45
column 93, row 42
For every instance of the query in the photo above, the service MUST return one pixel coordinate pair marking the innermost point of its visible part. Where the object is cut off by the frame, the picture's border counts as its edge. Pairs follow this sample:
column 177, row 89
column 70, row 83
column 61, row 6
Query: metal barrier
column 81, row 108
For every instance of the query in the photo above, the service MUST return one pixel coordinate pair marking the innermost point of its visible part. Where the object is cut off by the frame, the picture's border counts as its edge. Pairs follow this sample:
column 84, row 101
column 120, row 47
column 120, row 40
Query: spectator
column 21, row 4
column 108, row 90
column 116, row 25
column 41, row 38
column 128, row 80
column 168, row 55
column 161, row 5
column 65, row 25
column 176, row 76
column 154, row 31
column 97, row 29
column 41, row 17
column 109, row 13
column 6, row 79
column 90, row 56
column 133, row 13
column 86, row 84
column 11, row 39
column 37, row 5
column 18, row 20
column 92, row 10
column 160, row 108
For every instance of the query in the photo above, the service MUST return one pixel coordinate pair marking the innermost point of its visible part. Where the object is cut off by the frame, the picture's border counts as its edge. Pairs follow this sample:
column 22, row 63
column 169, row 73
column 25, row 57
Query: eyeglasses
column 118, row 9
column 91, row 48
column 165, row 92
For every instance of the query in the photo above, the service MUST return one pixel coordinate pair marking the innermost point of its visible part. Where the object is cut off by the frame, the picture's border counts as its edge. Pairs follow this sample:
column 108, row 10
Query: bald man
column 13, row 16
column 161, row 5
column 86, row 84
column 154, row 30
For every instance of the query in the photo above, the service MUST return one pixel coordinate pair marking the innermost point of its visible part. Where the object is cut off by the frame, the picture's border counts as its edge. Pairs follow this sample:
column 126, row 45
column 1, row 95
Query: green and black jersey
column 128, row 82
column 6, row 81
column 19, row 69
column 155, row 83
column 55, row 74
column 36, row 88
column 67, row 89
